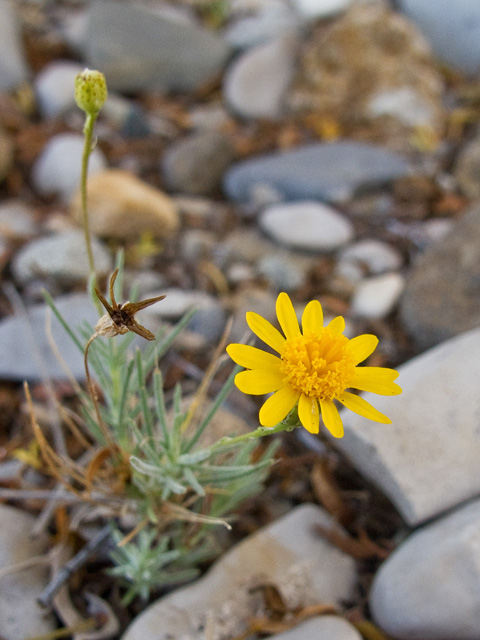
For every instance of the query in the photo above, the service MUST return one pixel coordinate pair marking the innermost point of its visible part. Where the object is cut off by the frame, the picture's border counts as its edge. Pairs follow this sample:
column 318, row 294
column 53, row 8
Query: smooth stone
column 123, row 206
column 196, row 164
column 61, row 258
column 58, row 168
column 318, row 171
column 143, row 50
column 17, row 220
column 442, row 294
column 374, row 256
column 376, row 297
column 6, row 154
column 306, row 225
column 284, row 271
column 318, row 9
column 427, row 589
column 320, row 628
column 255, row 84
column 453, row 29
column 427, row 460
column 20, row 614
column 13, row 66
column 270, row 21
column 288, row 554
column 55, row 87
column 26, row 352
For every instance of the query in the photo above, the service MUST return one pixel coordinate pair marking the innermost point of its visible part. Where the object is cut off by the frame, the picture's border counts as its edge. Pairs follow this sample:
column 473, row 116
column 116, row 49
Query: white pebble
column 376, row 297
column 306, row 225
column 375, row 256
column 55, row 87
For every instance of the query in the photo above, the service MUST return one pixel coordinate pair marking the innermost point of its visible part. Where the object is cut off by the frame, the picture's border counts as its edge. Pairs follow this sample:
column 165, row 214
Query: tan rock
column 370, row 75
column 122, row 206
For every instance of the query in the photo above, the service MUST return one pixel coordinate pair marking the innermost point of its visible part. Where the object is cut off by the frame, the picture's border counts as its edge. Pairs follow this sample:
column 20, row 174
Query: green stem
column 87, row 149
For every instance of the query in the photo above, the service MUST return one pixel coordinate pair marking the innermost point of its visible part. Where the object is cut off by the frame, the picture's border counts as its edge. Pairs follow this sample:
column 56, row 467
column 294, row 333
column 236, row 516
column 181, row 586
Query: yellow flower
column 315, row 367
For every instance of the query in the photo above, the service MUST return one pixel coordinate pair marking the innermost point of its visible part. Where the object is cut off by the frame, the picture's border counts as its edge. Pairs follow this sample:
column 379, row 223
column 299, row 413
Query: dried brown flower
column 121, row 317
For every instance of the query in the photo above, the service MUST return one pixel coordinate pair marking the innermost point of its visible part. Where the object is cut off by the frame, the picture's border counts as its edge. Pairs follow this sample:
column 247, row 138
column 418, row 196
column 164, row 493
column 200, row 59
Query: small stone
column 58, row 168
column 287, row 554
column 255, row 84
column 283, row 271
column 196, row 164
column 319, row 171
column 453, row 30
column 428, row 587
column 260, row 301
column 467, row 169
column 54, row 87
column 376, row 297
column 61, row 258
column 434, row 308
column 13, row 66
column 123, row 206
column 318, row 9
column 427, row 460
column 306, row 225
column 374, row 256
column 159, row 49
column 17, row 220
column 319, row 628
column 20, row 614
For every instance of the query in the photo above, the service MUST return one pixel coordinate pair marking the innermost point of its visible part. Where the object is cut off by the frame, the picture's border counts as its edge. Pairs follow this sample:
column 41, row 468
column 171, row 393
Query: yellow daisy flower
column 316, row 366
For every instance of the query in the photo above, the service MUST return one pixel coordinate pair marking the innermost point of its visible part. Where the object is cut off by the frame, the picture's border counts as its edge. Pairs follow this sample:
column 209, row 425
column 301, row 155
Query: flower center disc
column 318, row 365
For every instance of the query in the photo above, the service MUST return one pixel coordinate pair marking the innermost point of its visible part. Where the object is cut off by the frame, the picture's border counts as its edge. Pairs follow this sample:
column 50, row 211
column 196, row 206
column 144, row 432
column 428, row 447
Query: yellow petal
column 278, row 406
column 362, row 346
column 331, row 418
column 376, row 380
column 312, row 319
column 265, row 331
column 362, row 407
column 252, row 358
column 309, row 413
column 287, row 317
column 337, row 325
column 258, row 381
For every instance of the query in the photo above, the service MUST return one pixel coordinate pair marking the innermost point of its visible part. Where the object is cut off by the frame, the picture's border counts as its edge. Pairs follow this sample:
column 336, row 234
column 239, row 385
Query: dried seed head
column 90, row 91
column 107, row 328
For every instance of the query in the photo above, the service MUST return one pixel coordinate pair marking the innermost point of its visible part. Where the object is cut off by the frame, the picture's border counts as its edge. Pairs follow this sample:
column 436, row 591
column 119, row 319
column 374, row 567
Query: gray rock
column 376, row 297
column 271, row 20
column 435, row 307
column 196, row 165
column 55, row 87
column 13, row 67
column 427, row 460
column 306, row 225
column 17, row 220
column 284, row 271
column 57, row 170
column 428, row 588
column 61, row 258
column 453, row 30
column 139, row 49
column 320, row 628
column 288, row 553
column 320, row 171
column 20, row 615
column 255, row 84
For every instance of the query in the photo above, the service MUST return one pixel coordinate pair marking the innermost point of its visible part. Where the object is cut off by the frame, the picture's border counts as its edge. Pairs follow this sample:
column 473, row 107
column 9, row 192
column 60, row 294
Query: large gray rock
column 20, row 615
column 442, row 294
column 139, row 49
column 429, row 588
column 288, row 554
column 453, row 29
column 428, row 459
column 323, row 171
column 13, row 67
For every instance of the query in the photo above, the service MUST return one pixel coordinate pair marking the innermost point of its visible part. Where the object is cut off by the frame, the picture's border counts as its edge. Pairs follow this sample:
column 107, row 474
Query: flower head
column 314, row 368
column 90, row 91
column 120, row 318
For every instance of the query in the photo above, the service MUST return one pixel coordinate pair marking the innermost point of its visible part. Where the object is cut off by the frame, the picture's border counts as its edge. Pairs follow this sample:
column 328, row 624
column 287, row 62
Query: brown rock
column 122, row 206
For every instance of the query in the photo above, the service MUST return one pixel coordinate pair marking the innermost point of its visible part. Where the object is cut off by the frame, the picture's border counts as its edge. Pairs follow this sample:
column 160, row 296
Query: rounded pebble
column 375, row 298
column 54, row 87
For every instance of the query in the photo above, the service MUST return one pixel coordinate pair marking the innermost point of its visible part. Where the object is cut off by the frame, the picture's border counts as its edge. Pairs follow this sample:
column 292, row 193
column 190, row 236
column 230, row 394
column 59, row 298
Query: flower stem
column 87, row 149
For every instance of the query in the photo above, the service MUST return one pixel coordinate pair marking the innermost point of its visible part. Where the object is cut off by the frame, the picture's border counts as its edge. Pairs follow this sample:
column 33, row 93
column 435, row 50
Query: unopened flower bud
column 90, row 91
